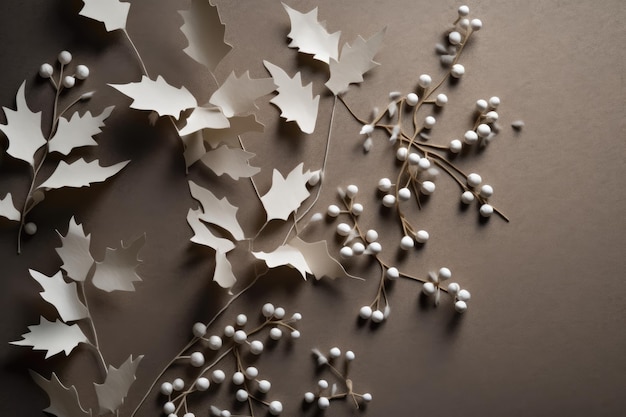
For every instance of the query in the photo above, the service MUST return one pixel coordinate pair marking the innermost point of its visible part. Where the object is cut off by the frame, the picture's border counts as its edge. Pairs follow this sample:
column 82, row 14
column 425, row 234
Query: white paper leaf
column 158, row 96
column 23, row 129
column 285, row 255
column 62, row 295
column 7, row 208
column 80, row 174
column 53, row 337
column 355, row 61
column 238, row 126
column 204, row 118
column 117, row 271
column 286, row 194
column 218, row 212
column 236, row 95
column 112, row 13
column 310, row 36
column 194, row 148
column 63, row 401
column 234, row 162
column 295, row 101
column 319, row 260
column 74, row 252
column 204, row 236
column 77, row 131
column 204, row 31
column 223, row 271
column 112, row 393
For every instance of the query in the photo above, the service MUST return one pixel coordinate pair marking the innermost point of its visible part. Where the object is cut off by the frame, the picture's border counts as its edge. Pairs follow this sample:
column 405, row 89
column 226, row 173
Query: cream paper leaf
column 236, row 95
column 158, row 96
column 234, row 162
column 117, row 271
column 112, row 13
column 238, row 126
column 218, row 212
column 74, row 251
column 286, row 194
column 204, row 31
column 295, row 101
column 53, row 337
column 62, row 295
column 78, row 131
column 23, row 129
column 204, row 118
column 194, row 148
column 80, row 174
column 7, row 208
column 319, row 260
column 203, row 235
column 112, row 393
column 64, row 401
column 285, row 255
column 310, row 36
column 354, row 61
column 223, row 271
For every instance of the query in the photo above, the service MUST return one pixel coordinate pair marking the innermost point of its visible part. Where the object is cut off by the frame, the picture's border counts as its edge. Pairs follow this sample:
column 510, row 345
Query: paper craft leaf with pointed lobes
column 74, row 251
column 62, row 295
column 204, row 118
column 53, row 337
column 23, row 129
column 112, row 393
column 8, row 210
column 223, row 274
column 77, row 131
column 195, row 148
column 204, row 31
column 203, row 235
column 80, row 174
column 295, row 101
column 218, row 212
column 112, row 13
column 158, row 96
column 64, row 401
column 117, row 271
column 319, row 260
column 234, row 162
column 238, row 126
column 354, row 61
column 285, row 255
column 286, row 194
column 311, row 36
column 236, row 95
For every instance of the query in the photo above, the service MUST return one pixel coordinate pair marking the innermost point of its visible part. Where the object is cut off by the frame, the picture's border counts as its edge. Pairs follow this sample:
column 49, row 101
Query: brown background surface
column 545, row 332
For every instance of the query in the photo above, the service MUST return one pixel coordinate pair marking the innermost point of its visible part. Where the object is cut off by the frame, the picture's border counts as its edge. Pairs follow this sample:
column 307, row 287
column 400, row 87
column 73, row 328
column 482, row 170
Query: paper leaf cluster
column 53, row 337
column 230, row 161
column 203, row 235
column 62, row 295
column 311, row 36
column 204, row 118
column 218, row 212
column 286, row 194
column 77, row 131
column 7, row 208
column 113, row 13
column 80, row 174
column 112, row 393
column 117, row 271
column 63, row 401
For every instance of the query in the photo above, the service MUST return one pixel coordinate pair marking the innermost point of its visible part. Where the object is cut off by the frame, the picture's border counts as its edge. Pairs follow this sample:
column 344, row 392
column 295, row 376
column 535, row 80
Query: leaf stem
column 132, row 44
column 96, row 343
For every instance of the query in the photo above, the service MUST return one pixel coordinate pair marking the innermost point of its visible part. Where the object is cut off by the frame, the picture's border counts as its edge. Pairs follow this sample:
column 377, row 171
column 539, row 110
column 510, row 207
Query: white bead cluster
column 64, row 58
column 432, row 287
column 457, row 37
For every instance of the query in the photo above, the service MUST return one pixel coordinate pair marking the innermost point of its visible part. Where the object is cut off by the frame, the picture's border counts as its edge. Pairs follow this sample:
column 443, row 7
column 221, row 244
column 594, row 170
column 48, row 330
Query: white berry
column 444, row 274
column 483, row 130
column 333, row 210
column 384, row 184
column 343, row 229
column 378, row 316
column 374, row 248
column 350, row 356
column 276, row 333
column 352, row 191
column 215, row 342
column 256, row 347
column 406, row 243
column 69, row 81
column 322, row 383
column 422, row 236
column 241, row 395
column 202, row 384
column 455, row 146
column 389, row 200
column 429, row 122
column 295, row 334
column 65, row 57
column 196, row 359
column 455, row 38
column 199, row 329
column 367, row 397
column 402, row 153
column 425, row 80
column 229, row 331
column 241, row 320
column 365, row 312
column 358, row 248
column 335, row 352
column 240, row 336
column 463, row 10
column 427, row 187
column 323, row 403
column 476, row 24
column 371, row 235
column 169, row 407
column 275, row 408
column 414, row 158
column 166, row 388
column 486, row 191
column 424, row 164
column 474, row 180
column 392, row 273
column 441, row 100
column 404, row 194
column 82, row 72
column 486, row 210
column 218, row 376
column 463, row 295
column 457, row 70
column 453, row 288
column 460, row 306
column 357, row 209
column 267, row 310
column 279, row 312
column 46, row 71
column 238, row 378
column 494, row 101
column 309, row 397
column 346, row 252
column 265, row 386
column 30, row 228
column 467, row 197
column 428, row 288
column 412, row 99
column 178, row 384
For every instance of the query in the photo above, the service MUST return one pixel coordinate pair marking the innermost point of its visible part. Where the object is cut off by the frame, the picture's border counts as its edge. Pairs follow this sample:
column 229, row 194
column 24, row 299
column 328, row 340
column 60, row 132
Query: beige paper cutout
column 63, row 401
column 53, row 337
column 233, row 162
column 204, row 118
column 112, row 13
column 80, row 174
column 8, row 210
column 311, row 36
column 217, row 211
column 62, row 295
column 112, row 393
column 117, row 271
column 77, row 131
column 223, row 271
column 236, row 95
column 285, row 255
column 204, row 236
column 319, row 260
column 74, row 252
column 286, row 194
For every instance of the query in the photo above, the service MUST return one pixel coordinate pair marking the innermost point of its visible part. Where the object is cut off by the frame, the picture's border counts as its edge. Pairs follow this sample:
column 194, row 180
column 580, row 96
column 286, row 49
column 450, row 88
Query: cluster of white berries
column 457, row 36
column 486, row 126
column 434, row 283
column 81, row 72
column 478, row 191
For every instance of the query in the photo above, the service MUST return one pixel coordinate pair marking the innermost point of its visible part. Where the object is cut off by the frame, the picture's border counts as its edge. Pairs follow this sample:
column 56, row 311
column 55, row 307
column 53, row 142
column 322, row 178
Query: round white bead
column 357, row 209
column 374, row 248
column 215, row 342
column 453, row 288
column 350, row 356
column 384, row 184
column 202, row 384
column 225, row 413
column 333, row 210
column 251, row 372
column 267, row 310
column 264, row 386
column 295, row 334
column 425, row 80
column 279, row 312
column 218, row 376
column 457, row 70
column 476, row 24
column 412, row 99
column 414, row 158
column 366, row 129
column 486, row 191
column 427, row 187
column 491, row 116
column 460, row 306
column 178, row 384
column 46, row 70
column 314, row 179
column 389, row 200
column 378, row 316
column 467, row 197
column 371, row 235
column 444, row 274
column 276, row 333
column 392, row 273
column 343, row 229
column 456, row 146
column 464, row 23
column 463, row 295
column 365, row 312
column 238, row 378
column 481, row 105
column 65, row 57
column 367, row 397
column 483, row 130
column 322, row 384
column 352, row 191
column 474, row 180
column 240, row 336
column 470, row 137
column 463, row 10
column 404, row 194
column 166, row 388
column 323, row 403
column 335, row 352
column 241, row 395
column 429, row 288
column 486, row 210
column 346, row 252
column 169, row 407
column 82, row 72
column 296, row 316
column 69, row 81
column 424, row 164
column 406, row 243
column 196, row 359
column 309, row 397
column 494, row 102
column 441, row 100
column 402, row 153
column 422, row 236
column 30, row 228
column 455, row 38
column 229, row 331
column 199, row 329
column 429, row 122
column 241, row 320
column 358, row 248
column 256, row 347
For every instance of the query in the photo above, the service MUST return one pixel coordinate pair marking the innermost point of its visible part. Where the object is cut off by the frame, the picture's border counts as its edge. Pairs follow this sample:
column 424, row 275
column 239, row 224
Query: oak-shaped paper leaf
column 203, row 235
column 112, row 13
column 53, row 337
column 23, row 129
column 158, row 96
column 238, row 126
column 311, row 36
column 218, row 212
column 80, row 174
column 77, row 131
column 7, row 208
column 286, row 194
column 319, row 260
column 74, row 251
column 117, row 271
column 354, row 61
column 62, row 295
column 204, row 118
column 223, row 274
column 295, row 101
column 236, row 95
column 234, row 162
column 204, row 31
column 112, row 393
column 285, row 255
column 64, row 401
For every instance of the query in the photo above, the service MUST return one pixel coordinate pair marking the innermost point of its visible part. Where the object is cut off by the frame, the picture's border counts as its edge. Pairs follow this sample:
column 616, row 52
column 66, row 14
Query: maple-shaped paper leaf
column 204, row 31
column 238, row 126
column 354, row 61
column 80, row 174
column 286, row 194
column 62, row 295
column 295, row 101
column 218, row 212
column 204, row 236
column 234, row 162
column 158, row 96
column 237, row 95
column 223, row 274
column 63, row 401
column 112, row 13
column 285, row 255
column 112, row 393
column 7, row 208
column 117, row 271
column 74, row 252
column 77, row 131
column 23, row 129
column 319, row 260
column 204, row 118
column 53, row 337
column 311, row 36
